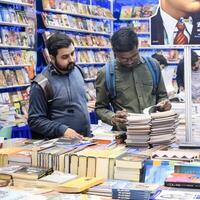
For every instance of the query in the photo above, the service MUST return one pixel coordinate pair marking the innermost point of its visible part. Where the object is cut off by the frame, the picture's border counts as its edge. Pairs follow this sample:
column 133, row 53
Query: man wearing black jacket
column 164, row 25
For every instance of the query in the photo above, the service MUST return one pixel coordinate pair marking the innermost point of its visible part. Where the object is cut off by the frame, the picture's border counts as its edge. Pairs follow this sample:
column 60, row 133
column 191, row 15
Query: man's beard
column 64, row 70
column 132, row 65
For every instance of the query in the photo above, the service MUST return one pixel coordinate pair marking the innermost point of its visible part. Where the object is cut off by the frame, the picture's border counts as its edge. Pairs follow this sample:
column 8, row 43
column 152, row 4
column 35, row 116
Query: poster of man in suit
column 176, row 22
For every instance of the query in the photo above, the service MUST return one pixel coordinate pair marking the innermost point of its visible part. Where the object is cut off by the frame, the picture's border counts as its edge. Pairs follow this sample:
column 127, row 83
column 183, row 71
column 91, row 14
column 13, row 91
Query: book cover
column 130, row 160
column 33, row 173
column 162, row 194
column 183, row 180
column 126, row 12
column 79, row 185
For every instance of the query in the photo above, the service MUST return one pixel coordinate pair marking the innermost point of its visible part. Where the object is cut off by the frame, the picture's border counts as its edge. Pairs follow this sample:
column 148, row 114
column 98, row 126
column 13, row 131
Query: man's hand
column 164, row 105
column 120, row 117
column 181, row 89
column 72, row 134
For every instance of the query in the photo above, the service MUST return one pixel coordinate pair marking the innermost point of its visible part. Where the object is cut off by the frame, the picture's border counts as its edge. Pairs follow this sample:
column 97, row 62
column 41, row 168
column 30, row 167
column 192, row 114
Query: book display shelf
column 17, row 55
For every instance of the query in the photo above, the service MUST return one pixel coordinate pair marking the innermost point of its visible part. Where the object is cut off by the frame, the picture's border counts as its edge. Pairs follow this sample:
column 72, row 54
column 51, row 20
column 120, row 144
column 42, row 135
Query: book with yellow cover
column 79, row 184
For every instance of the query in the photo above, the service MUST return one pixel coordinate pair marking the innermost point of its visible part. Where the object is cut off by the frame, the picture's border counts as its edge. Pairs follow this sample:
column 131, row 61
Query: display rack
column 17, row 52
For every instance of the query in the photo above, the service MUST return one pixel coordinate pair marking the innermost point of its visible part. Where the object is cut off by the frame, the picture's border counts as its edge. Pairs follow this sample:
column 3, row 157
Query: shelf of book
column 15, row 47
column 78, row 14
column 2, row 23
column 17, row 54
column 14, row 86
column 14, row 66
column 16, row 3
column 74, row 30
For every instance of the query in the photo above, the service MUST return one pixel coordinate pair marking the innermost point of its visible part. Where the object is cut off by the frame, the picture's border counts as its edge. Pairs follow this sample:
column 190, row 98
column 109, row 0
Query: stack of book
column 17, row 57
column 130, row 167
column 138, row 11
column 138, row 129
column 84, row 40
column 163, row 126
column 63, row 22
column 112, row 188
column 17, row 38
column 77, row 8
column 13, row 77
column 7, row 117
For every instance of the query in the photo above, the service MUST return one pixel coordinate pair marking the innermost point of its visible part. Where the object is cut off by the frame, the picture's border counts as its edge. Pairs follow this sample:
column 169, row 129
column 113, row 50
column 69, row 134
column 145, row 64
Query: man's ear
column 52, row 59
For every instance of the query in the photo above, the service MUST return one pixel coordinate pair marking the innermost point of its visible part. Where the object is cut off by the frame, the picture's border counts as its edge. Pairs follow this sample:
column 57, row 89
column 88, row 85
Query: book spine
column 182, row 184
column 130, row 194
column 187, row 169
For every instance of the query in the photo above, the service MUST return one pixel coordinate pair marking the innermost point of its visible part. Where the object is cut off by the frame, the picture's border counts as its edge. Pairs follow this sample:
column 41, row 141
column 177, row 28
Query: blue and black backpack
column 152, row 65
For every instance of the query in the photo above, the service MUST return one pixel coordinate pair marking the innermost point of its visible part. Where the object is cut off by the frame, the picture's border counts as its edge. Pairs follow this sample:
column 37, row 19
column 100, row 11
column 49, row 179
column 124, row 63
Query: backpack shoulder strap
column 110, row 78
column 154, row 68
column 42, row 80
column 81, row 71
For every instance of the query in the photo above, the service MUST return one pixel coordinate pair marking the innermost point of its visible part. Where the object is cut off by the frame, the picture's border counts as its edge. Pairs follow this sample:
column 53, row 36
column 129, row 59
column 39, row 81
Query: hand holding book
column 164, row 105
column 120, row 117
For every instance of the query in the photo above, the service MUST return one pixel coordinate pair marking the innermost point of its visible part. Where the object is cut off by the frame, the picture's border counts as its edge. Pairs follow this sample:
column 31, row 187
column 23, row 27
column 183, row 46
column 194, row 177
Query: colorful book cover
column 154, row 169
column 126, row 12
column 183, row 180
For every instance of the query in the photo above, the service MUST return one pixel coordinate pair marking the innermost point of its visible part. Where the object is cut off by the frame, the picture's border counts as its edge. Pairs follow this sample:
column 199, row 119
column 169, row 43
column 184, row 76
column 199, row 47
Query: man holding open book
column 134, row 88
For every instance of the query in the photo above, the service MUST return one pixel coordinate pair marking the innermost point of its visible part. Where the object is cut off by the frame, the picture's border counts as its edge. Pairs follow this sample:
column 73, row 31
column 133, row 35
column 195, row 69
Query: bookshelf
column 17, row 53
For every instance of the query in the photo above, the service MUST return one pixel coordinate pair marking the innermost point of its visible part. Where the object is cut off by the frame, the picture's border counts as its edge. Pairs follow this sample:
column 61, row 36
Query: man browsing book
column 133, row 83
column 58, row 106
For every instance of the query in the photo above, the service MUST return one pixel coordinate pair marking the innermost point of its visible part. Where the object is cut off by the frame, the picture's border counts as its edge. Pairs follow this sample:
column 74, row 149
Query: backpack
column 110, row 75
column 42, row 80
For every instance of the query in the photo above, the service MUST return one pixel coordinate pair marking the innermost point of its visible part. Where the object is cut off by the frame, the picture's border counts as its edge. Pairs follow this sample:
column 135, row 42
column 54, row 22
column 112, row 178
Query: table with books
column 99, row 168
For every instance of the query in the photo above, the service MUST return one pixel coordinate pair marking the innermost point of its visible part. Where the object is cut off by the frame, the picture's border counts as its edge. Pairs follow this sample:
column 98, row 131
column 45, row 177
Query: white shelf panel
column 14, row 86
column 75, row 30
column 15, row 47
column 92, row 47
column 13, row 66
column 13, row 24
column 97, row 63
column 15, row 3
column 132, row 19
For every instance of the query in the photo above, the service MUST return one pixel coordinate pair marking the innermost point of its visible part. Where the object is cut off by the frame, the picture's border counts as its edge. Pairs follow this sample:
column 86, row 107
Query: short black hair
column 57, row 41
column 124, row 40
column 194, row 58
column 160, row 58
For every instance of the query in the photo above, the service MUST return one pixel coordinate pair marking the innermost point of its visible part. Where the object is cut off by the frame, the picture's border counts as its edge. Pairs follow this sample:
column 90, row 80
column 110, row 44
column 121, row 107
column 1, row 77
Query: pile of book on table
column 151, row 129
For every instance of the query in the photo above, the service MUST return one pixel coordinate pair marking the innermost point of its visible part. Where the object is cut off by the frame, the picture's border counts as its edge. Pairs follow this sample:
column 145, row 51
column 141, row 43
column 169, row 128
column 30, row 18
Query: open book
column 151, row 109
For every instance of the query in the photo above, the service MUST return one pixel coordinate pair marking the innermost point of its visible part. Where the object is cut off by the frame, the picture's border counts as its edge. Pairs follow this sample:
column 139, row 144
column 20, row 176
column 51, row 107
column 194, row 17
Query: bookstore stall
column 156, row 157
